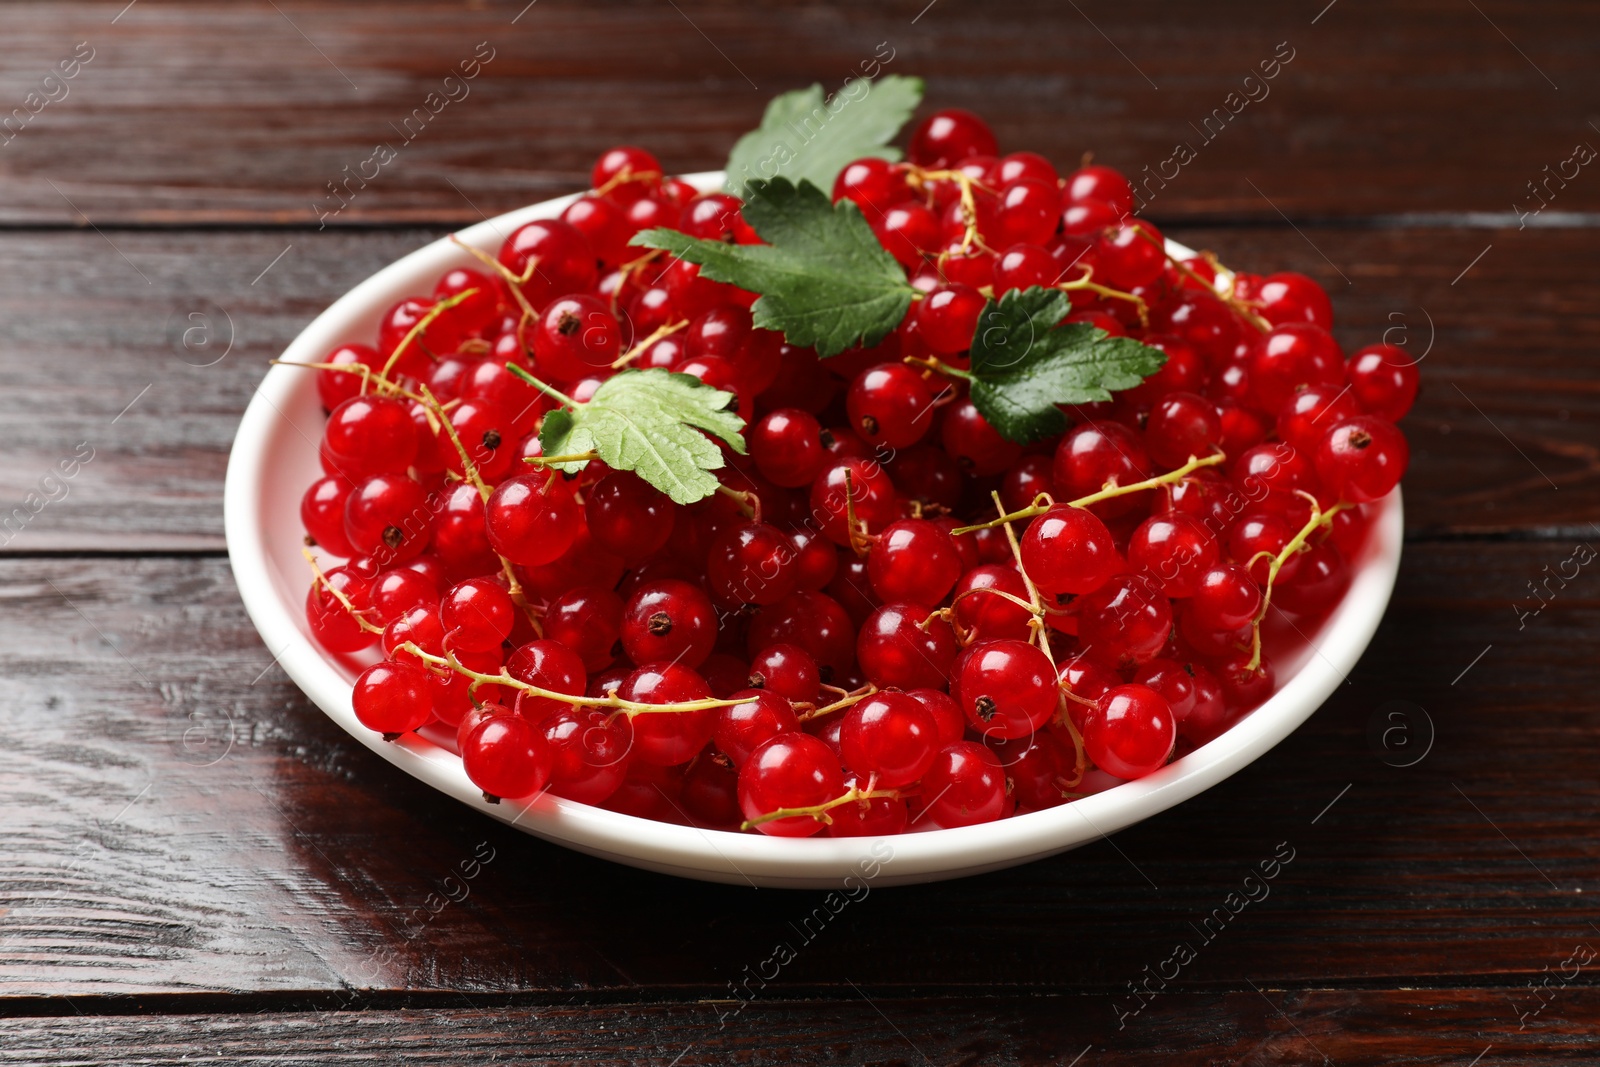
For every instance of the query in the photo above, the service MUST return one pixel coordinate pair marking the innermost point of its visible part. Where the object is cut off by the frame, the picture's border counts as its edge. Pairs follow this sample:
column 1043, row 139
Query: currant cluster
column 892, row 617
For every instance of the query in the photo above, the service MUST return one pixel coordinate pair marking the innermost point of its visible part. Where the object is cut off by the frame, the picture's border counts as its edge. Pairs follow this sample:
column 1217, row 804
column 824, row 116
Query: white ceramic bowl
column 275, row 458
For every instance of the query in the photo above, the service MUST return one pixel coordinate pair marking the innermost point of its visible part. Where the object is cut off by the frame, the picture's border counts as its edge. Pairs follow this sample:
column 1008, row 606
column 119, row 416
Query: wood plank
column 1265, row 1026
column 93, row 349
column 179, row 819
column 1383, row 109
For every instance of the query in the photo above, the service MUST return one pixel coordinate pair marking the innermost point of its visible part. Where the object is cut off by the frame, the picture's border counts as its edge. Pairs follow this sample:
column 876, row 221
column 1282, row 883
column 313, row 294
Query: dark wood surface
column 198, row 866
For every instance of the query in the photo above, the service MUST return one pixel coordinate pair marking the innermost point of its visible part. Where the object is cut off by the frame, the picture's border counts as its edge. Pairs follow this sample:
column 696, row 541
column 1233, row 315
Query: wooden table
column 197, row 865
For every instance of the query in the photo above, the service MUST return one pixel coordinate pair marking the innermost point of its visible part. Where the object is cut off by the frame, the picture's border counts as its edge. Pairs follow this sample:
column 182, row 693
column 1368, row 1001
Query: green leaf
column 649, row 422
column 1024, row 363
column 804, row 135
column 825, row 281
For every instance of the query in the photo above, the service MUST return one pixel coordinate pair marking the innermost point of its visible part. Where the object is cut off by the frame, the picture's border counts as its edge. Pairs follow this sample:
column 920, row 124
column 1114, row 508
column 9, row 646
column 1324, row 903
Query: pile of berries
column 892, row 618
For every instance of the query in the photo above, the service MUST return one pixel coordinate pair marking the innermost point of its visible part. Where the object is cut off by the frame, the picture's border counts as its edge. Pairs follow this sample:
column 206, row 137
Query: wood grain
column 222, row 112
column 1263, row 1025
column 199, row 866
column 121, row 350
column 180, row 819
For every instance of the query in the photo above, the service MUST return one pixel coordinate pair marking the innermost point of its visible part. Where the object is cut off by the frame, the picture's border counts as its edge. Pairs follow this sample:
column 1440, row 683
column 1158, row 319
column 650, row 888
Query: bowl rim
column 816, row 862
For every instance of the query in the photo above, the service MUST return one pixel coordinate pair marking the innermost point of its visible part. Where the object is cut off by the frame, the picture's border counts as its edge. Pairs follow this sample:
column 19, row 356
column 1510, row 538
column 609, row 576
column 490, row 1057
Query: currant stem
column 469, row 468
column 860, row 544
column 514, row 281
column 549, row 391
column 1087, row 284
column 939, row 366
column 1036, row 625
column 629, row 707
column 1318, row 518
column 749, row 503
column 1080, row 754
column 633, row 353
column 368, row 376
column 839, row 705
column 918, row 178
column 422, row 324
column 322, row 580
column 819, row 811
column 1247, row 312
column 1043, row 502
column 571, row 457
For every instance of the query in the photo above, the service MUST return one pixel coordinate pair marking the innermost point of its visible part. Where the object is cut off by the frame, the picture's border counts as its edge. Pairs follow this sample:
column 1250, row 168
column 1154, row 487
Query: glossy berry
column 1023, row 266
column 889, row 405
column 751, row 563
column 1210, row 715
column 1131, row 732
column 551, row 665
column 393, row 698
column 331, row 621
column 760, row 715
column 1175, row 551
column 1094, row 455
column 815, row 622
column 1131, row 255
column 1225, row 598
column 965, row 786
column 627, row 173
column 976, row 446
column 477, row 615
column 669, row 622
column 555, row 257
column 816, row 559
column 387, row 517
column 1291, row 297
column 1362, row 458
column 790, row 770
column 889, row 737
column 368, row 435
column 1007, row 688
column 1125, row 622
column 786, row 670
column 628, row 516
column 334, row 387
column 322, row 514
column 667, row 738
column 946, row 137
column 589, row 621
column 907, row 231
column 398, row 590
column 861, row 484
column 1311, row 411
column 983, row 612
column 1290, row 356
column 1100, row 183
column 460, row 533
column 1181, row 425
column 1256, row 539
column 487, row 436
column 575, row 335
column 950, row 724
column 872, row 183
column 1384, row 380
column 1068, row 550
column 873, row 817
column 913, row 560
column 588, row 753
column 896, row 650
column 530, row 520
column 506, row 756
column 948, row 316
column 1318, row 584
